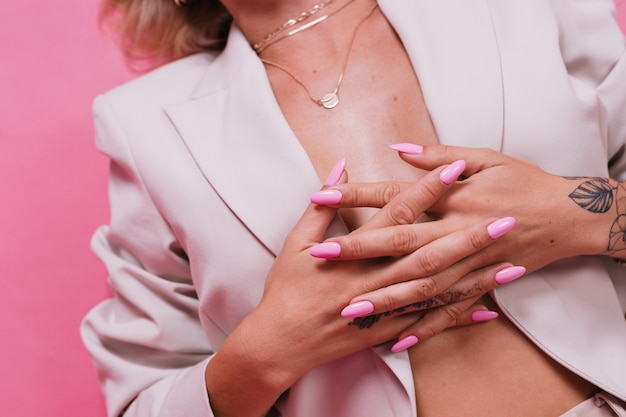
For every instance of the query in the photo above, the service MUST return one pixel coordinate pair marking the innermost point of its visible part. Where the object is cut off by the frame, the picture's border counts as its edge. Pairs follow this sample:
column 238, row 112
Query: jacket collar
column 235, row 131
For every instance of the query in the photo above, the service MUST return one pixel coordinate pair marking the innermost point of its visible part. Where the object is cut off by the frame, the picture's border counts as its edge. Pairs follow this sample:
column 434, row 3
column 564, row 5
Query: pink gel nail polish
column 452, row 172
column 335, row 174
column 327, row 197
column 500, row 227
column 408, row 148
column 326, row 250
column 483, row 315
column 404, row 344
column 358, row 309
column 509, row 274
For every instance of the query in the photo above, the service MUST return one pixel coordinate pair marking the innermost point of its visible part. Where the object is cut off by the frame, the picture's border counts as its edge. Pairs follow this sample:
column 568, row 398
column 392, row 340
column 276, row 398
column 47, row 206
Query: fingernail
column 335, row 174
column 327, row 197
column 358, row 309
column 509, row 274
column 500, row 227
column 326, row 250
column 483, row 315
column 404, row 344
column 452, row 172
column 409, row 148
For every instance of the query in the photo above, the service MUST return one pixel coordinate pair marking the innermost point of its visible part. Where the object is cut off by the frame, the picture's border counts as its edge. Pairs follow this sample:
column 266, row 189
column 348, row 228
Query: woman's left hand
column 549, row 227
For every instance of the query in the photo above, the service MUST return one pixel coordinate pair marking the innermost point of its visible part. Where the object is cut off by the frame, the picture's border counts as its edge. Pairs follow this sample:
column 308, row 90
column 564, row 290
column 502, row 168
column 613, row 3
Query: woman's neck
column 331, row 21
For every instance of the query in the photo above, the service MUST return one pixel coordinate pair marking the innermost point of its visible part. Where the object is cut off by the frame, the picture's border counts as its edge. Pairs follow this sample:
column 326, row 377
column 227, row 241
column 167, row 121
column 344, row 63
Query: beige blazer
column 207, row 179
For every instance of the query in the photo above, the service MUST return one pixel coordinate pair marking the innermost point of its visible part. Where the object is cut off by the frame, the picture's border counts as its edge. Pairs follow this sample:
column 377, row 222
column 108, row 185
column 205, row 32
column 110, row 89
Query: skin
column 327, row 285
column 304, row 295
column 595, row 209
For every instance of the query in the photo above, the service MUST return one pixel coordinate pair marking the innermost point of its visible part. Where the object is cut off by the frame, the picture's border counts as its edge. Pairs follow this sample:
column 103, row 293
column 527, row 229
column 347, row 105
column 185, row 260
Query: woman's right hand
column 298, row 324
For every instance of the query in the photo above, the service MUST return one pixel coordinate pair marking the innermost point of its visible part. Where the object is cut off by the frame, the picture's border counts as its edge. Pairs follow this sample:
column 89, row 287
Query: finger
column 389, row 241
column 437, row 320
column 380, row 194
column 403, row 297
column 440, row 254
column 477, row 313
column 432, row 323
column 363, row 194
column 413, row 201
column 316, row 218
column 477, row 159
column 433, row 258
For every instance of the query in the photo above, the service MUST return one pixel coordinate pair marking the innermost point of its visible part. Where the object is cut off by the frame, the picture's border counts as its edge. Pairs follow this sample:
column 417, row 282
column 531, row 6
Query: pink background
column 53, row 195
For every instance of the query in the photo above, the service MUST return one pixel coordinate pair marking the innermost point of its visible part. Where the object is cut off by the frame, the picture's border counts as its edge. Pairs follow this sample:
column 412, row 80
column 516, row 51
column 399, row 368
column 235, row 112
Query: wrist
column 248, row 373
column 595, row 215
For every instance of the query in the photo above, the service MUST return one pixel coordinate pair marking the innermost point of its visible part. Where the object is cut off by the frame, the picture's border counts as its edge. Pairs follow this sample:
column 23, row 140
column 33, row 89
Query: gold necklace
column 328, row 100
column 299, row 29
column 260, row 45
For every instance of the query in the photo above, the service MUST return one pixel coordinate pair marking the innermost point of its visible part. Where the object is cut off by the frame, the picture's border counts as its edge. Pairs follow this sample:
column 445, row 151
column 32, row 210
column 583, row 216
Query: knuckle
column 388, row 302
column 426, row 288
column 429, row 263
column 389, row 191
column 355, row 247
column 403, row 241
column 430, row 191
column 475, row 240
column 350, row 195
column 451, row 313
column 401, row 213
column 428, row 329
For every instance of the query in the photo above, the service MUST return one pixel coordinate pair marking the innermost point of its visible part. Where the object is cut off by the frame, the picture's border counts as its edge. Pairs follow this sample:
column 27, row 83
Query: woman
column 215, row 156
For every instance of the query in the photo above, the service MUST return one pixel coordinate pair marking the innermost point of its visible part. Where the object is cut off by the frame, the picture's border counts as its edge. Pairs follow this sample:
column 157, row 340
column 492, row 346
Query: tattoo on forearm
column 600, row 195
column 446, row 297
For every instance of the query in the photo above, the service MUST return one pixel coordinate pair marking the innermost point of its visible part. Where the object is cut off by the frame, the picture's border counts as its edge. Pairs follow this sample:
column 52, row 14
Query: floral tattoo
column 600, row 195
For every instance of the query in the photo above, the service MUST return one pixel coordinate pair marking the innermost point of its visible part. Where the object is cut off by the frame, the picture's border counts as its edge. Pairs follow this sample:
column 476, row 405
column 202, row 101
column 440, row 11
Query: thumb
column 316, row 218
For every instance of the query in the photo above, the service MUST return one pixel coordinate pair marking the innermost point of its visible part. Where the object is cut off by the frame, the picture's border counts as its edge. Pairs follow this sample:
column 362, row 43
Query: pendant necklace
column 329, row 100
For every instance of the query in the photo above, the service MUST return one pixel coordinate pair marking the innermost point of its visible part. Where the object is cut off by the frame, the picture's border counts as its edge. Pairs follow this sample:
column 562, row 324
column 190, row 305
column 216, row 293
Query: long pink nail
column 509, row 274
column 358, row 309
column 500, row 227
column 483, row 315
column 327, row 197
column 335, row 174
column 452, row 172
column 326, row 250
column 404, row 343
column 408, row 148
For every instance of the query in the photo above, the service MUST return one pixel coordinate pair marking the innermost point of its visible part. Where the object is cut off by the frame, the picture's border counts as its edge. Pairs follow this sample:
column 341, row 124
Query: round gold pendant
column 329, row 101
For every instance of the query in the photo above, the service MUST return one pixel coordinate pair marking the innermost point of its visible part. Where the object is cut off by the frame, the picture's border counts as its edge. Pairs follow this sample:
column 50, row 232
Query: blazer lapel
column 235, row 131
column 454, row 51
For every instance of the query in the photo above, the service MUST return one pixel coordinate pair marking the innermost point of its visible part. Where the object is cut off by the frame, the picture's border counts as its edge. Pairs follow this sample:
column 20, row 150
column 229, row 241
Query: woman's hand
column 448, row 284
column 550, row 226
column 298, row 324
column 556, row 218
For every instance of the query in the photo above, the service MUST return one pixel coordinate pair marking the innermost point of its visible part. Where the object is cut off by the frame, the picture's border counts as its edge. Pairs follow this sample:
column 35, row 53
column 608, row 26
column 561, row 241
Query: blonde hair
column 154, row 32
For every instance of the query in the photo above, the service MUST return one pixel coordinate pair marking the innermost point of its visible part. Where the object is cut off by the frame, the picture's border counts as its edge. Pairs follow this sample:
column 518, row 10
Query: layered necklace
column 329, row 100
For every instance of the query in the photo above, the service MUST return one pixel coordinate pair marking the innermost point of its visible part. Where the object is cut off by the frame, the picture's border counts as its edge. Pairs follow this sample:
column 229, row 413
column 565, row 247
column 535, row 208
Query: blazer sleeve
column 594, row 52
column 143, row 370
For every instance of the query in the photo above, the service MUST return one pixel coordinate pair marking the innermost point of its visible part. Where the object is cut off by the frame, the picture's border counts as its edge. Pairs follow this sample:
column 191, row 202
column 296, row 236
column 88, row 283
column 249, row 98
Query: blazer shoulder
column 169, row 84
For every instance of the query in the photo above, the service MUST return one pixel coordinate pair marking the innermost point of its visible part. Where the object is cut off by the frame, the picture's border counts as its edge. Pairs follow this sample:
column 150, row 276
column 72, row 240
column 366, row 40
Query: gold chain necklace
column 260, row 45
column 271, row 41
column 328, row 100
